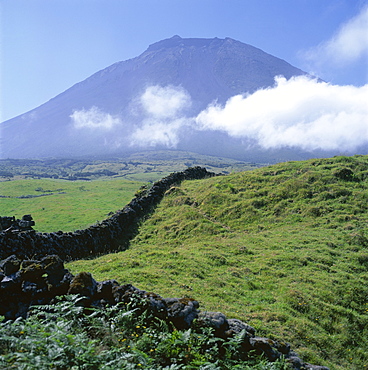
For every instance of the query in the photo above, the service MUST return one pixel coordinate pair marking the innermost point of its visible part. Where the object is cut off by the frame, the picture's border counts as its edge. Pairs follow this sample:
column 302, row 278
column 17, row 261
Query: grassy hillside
column 64, row 205
column 284, row 248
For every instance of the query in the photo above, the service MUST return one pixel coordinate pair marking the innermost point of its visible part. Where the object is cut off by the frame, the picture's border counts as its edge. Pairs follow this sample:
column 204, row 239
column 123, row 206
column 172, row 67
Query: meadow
column 283, row 248
column 65, row 205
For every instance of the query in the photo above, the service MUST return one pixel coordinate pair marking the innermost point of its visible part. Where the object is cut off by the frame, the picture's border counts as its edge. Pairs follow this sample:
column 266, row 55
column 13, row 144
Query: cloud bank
column 297, row 113
column 94, row 118
column 300, row 112
column 163, row 111
column 347, row 45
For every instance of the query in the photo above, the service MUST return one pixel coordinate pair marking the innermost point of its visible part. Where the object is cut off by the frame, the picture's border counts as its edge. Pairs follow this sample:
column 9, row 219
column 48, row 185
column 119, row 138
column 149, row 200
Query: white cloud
column 94, row 118
column 300, row 112
column 164, row 102
column 163, row 110
column 154, row 133
column 347, row 45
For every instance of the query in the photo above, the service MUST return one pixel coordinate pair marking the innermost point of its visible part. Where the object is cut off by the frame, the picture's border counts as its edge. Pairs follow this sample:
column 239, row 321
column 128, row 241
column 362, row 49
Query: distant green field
column 65, row 205
column 143, row 166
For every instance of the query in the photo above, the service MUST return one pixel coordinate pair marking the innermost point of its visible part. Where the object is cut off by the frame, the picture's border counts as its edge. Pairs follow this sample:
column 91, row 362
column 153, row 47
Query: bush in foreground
column 69, row 336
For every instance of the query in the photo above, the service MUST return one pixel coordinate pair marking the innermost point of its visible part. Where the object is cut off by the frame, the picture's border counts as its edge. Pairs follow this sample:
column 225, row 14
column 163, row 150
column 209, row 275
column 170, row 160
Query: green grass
column 284, row 248
column 72, row 205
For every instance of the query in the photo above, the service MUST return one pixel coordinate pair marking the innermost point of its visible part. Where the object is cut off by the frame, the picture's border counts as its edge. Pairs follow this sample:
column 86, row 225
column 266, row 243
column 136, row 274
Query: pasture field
column 284, row 248
column 65, row 205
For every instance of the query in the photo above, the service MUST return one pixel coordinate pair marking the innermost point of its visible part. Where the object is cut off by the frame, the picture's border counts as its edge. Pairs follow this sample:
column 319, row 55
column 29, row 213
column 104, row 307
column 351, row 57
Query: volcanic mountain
column 142, row 102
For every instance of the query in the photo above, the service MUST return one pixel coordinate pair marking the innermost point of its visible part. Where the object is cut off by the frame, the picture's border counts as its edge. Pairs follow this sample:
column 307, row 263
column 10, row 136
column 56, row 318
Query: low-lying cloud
column 163, row 112
column 158, row 133
column 300, row 112
column 94, row 118
column 164, row 102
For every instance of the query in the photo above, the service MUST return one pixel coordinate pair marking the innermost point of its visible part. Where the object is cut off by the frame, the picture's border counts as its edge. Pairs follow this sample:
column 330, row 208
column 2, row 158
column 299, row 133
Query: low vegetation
column 282, row 247
column 67, row 336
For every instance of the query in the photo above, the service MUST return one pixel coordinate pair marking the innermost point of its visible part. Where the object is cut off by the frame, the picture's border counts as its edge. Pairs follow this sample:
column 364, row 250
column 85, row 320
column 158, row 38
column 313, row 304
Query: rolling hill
column 283, row 248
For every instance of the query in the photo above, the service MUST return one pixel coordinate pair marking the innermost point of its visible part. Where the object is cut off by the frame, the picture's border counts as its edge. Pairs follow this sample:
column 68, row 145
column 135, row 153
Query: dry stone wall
column 27, row 283
column 111, row 235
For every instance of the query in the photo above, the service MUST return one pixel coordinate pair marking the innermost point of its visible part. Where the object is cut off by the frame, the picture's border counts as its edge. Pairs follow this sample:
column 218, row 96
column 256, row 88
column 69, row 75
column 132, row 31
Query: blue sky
column 49, row 45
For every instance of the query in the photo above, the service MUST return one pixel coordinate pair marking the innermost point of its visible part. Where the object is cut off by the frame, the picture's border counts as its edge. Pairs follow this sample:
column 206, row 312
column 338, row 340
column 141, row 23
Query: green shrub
column 66, row 336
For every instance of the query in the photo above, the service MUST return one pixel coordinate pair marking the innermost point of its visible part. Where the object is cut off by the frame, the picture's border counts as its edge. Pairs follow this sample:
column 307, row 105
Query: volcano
column 141, row 103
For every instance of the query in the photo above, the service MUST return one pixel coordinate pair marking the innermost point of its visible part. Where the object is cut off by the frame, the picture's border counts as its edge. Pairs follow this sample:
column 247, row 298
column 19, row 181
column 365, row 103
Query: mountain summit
column 141, row 103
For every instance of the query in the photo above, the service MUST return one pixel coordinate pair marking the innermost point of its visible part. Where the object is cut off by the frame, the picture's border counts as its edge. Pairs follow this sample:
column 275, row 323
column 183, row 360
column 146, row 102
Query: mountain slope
column 104, row 113
column 283, row 248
